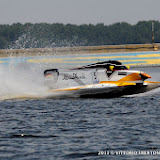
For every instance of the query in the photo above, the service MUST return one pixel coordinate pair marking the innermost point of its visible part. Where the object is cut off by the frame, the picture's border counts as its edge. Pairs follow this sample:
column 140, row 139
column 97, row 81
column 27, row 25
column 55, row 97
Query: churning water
column 39, row 128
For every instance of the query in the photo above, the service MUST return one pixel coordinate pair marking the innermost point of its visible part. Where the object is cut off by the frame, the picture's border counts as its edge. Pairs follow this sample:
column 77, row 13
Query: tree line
column 44, row 35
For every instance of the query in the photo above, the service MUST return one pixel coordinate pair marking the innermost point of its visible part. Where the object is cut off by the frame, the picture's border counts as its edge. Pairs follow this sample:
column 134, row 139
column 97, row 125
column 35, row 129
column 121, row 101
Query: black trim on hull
column 122, row 91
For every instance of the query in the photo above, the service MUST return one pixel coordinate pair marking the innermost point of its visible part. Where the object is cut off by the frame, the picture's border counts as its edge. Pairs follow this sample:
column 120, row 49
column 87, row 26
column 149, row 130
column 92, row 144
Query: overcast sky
column 78, row 11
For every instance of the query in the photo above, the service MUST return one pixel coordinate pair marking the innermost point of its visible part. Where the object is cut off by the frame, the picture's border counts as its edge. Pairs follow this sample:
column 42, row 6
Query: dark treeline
column 44, row 35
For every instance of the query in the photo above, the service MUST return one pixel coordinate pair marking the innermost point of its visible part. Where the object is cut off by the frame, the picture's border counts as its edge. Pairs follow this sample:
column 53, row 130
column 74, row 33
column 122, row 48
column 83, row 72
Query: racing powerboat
column 101, row 80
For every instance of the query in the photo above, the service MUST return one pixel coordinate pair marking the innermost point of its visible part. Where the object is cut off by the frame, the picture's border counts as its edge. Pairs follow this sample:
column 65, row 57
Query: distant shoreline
column 79, row 50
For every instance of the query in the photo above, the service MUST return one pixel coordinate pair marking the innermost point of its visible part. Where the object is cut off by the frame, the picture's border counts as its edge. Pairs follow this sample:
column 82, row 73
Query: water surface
column 79, row 128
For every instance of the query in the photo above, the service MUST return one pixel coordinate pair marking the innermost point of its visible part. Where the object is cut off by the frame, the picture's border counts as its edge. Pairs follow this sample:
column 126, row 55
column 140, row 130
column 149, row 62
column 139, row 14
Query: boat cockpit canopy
column 109, row 65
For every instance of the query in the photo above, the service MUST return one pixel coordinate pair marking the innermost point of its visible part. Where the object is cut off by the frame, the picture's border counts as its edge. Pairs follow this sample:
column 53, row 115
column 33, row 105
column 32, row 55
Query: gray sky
column 78, row 11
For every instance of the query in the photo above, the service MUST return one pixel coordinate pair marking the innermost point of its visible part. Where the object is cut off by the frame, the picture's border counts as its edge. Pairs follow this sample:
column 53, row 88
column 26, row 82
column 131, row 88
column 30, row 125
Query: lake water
column 49, row 129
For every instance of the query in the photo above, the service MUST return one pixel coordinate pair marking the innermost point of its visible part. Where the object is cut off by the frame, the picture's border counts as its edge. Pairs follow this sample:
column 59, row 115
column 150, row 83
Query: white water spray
column 21, row 81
